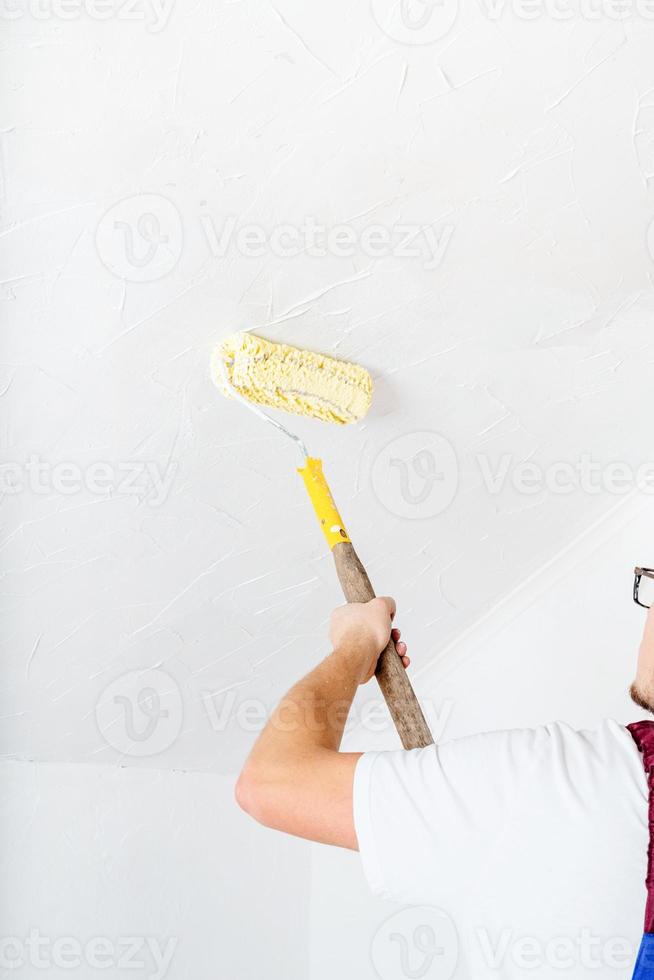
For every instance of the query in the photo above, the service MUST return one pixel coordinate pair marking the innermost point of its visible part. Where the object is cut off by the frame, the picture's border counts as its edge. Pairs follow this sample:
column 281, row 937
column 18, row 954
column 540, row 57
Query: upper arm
column 311, row 797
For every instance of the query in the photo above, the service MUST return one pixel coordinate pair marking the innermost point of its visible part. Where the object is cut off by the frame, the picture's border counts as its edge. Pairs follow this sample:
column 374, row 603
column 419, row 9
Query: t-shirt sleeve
column 437, row 814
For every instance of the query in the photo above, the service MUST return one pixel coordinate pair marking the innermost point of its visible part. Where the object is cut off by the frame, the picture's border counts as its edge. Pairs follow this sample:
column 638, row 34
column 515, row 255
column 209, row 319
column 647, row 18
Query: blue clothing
column 644, row 969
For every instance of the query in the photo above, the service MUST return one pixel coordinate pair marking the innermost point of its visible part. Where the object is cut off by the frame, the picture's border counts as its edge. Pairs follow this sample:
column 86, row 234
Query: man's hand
column 360, row 631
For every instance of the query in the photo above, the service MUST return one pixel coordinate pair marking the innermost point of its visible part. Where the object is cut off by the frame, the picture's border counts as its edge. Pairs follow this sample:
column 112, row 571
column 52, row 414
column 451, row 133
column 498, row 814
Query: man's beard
column 639, row 698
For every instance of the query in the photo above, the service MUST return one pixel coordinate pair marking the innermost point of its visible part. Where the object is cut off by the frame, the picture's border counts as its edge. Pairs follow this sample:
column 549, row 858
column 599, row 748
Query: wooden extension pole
column 391, row 675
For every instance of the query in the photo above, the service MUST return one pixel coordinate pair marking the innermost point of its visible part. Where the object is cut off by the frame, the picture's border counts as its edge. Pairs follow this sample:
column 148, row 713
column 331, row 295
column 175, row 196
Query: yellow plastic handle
column 323, row 502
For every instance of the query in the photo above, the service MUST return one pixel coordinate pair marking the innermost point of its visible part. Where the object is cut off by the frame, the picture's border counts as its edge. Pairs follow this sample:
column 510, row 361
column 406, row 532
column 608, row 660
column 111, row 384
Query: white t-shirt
column 532, row 843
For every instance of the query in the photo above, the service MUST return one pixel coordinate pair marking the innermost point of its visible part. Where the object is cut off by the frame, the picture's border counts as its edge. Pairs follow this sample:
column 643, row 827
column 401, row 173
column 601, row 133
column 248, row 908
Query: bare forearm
column 283, row 773
column 313, row 714
column 295, row 778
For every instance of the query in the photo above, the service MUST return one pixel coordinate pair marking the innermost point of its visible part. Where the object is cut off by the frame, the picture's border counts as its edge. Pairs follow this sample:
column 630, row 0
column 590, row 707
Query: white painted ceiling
column 518, row 328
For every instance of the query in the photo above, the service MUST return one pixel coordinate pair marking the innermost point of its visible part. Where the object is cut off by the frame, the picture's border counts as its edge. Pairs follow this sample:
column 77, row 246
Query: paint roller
column 258, row 372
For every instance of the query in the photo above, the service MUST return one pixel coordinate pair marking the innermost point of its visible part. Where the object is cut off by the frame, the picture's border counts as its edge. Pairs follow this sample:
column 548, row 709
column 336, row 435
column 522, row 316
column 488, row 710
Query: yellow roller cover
column 293, row 380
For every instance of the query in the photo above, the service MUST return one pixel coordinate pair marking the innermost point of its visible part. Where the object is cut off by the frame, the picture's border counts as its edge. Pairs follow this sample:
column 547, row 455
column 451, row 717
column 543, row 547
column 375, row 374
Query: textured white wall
column 458, row 196
column 143, row 161
column 115, row 873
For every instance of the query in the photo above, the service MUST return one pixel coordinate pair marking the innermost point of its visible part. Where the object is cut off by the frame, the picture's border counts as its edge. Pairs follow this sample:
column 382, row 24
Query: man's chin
column 641, row 698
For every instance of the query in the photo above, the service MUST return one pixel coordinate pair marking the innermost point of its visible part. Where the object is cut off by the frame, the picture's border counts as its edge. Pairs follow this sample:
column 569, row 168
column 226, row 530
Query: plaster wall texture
column 460, row 198
column 151, row 526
